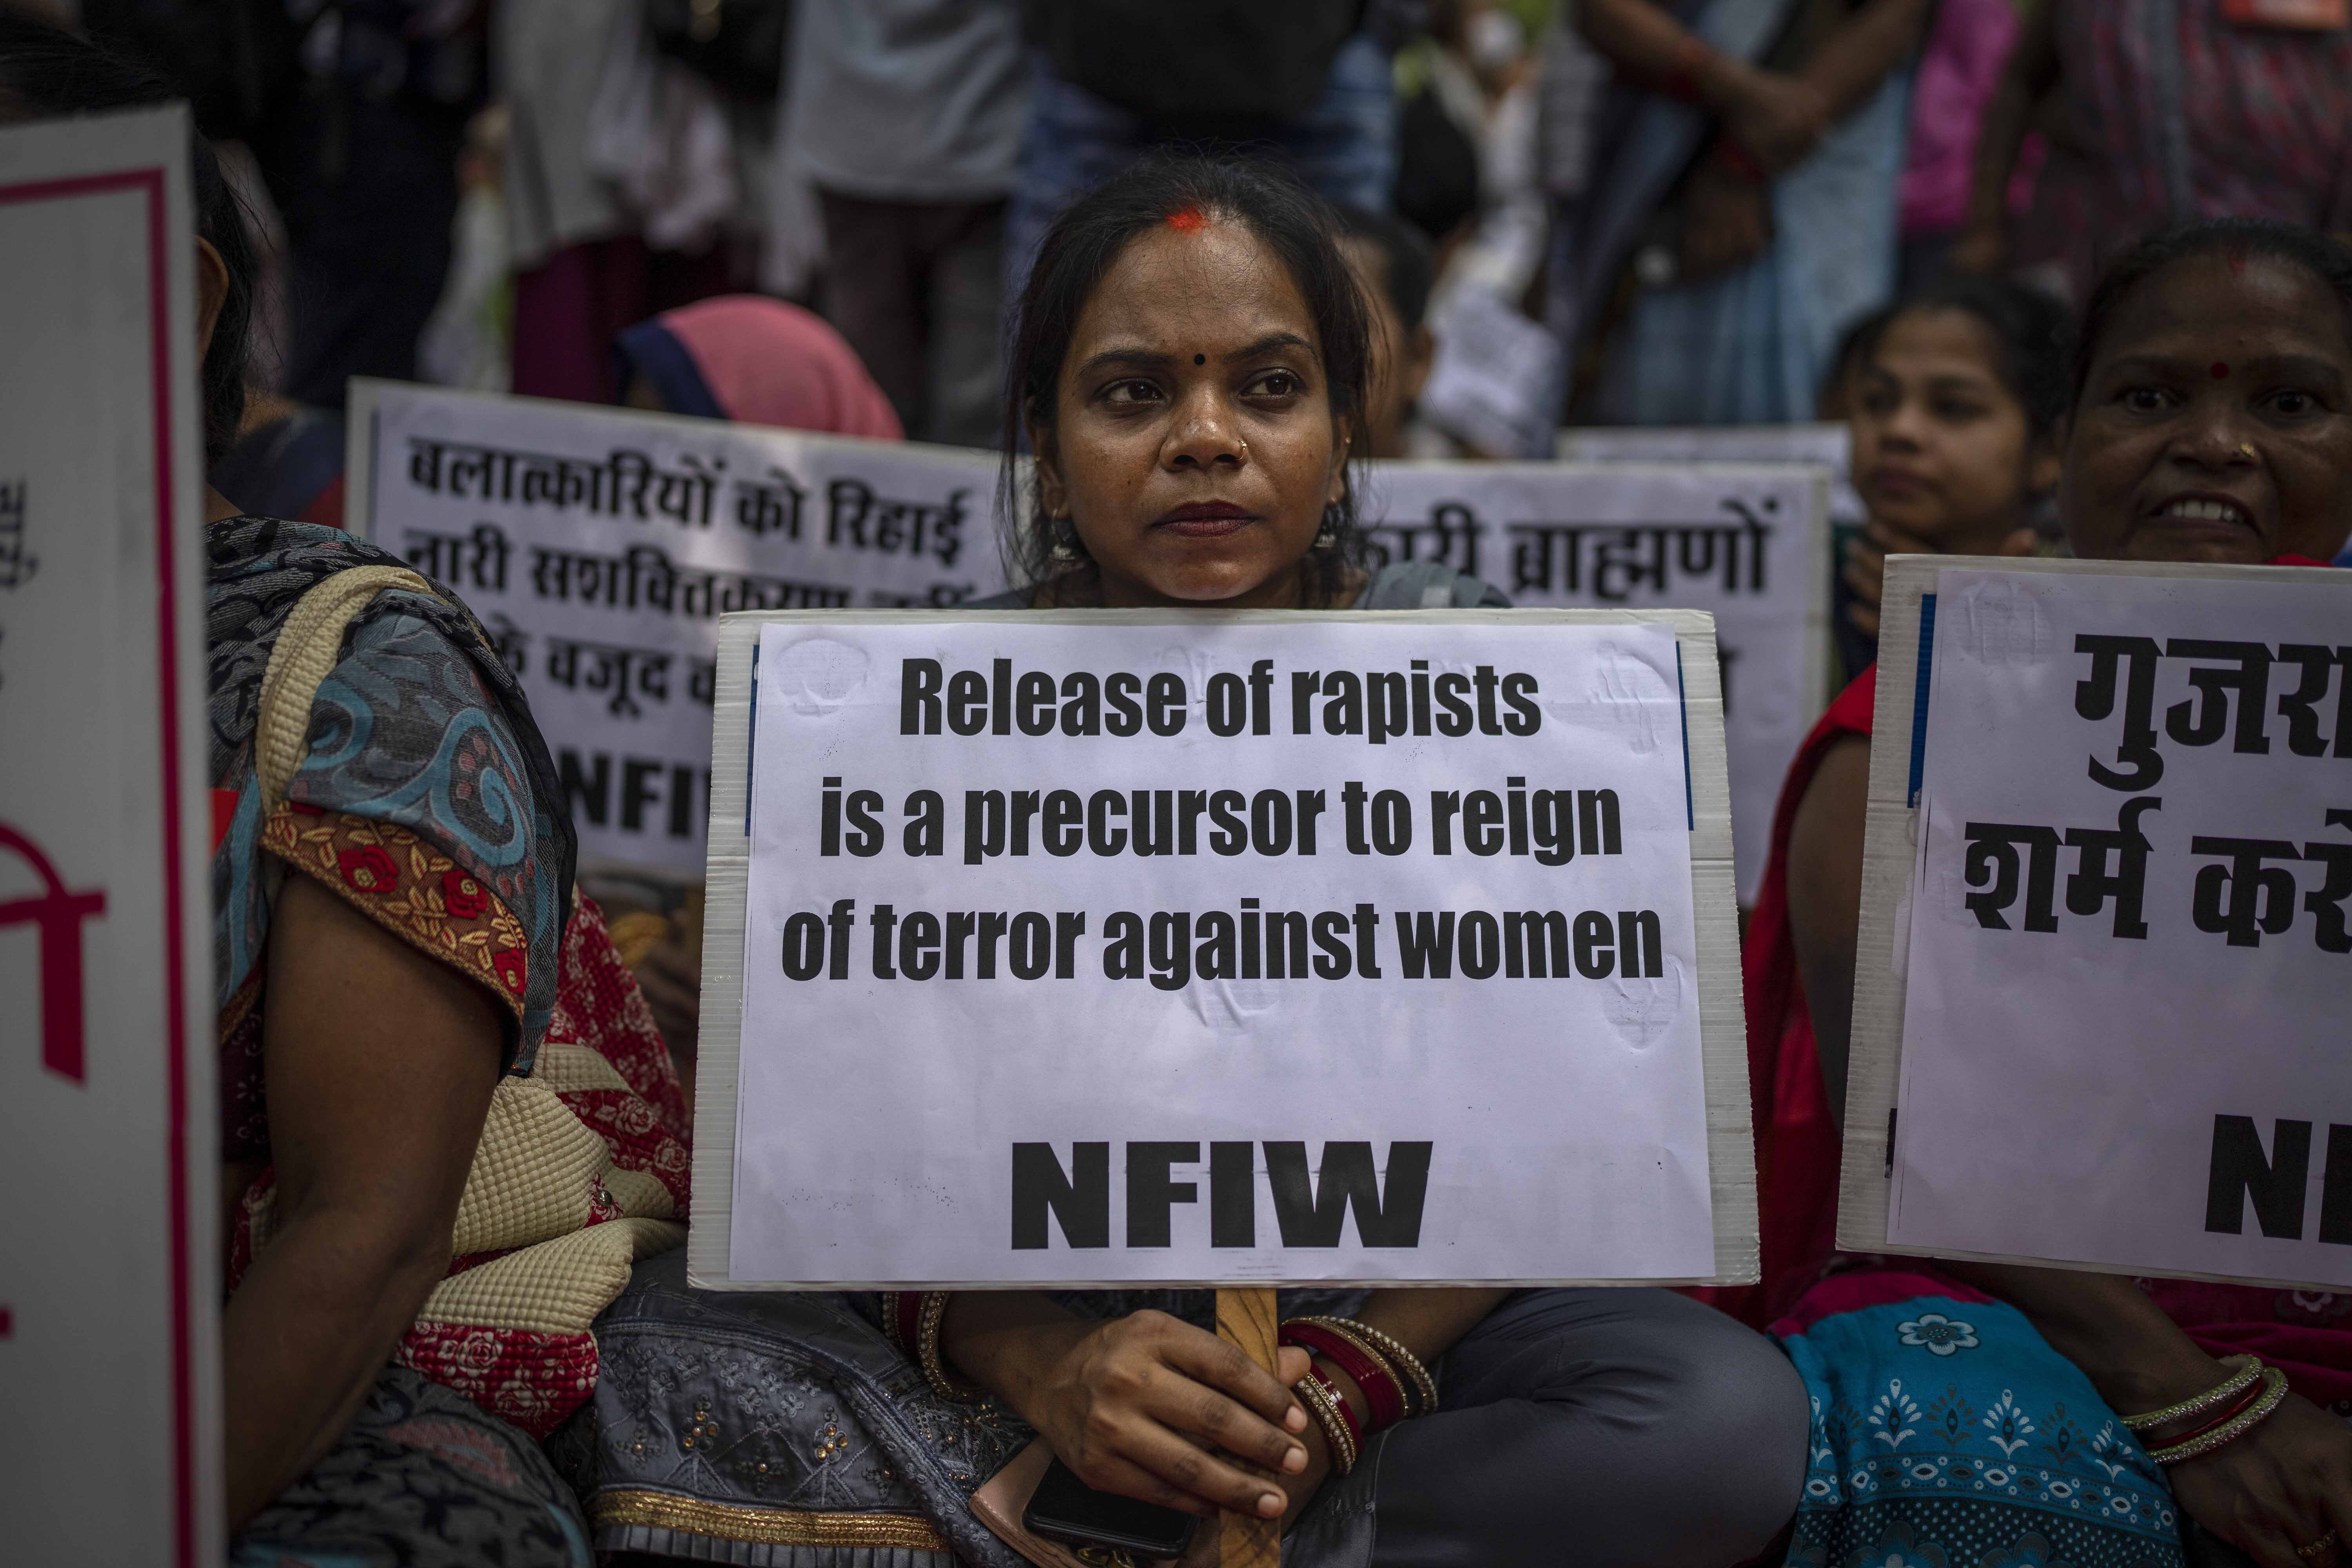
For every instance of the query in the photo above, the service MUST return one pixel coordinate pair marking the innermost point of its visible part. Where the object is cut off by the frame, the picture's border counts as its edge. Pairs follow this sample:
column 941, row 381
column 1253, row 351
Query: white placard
column 1828, row 444
column 109, row 1261
column 1334, row 1031
column 1748, row 543
column 2104, row 960
column 1494, row 377
column 600, row 545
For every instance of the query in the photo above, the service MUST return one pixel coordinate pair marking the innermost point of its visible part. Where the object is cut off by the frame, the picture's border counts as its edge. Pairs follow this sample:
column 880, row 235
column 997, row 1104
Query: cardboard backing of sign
column 1727, row 1128
column 1883, row 959
column 110, row 1269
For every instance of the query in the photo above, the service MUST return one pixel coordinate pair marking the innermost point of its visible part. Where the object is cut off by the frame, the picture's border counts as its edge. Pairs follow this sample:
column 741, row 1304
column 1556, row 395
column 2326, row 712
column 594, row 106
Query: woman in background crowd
column 1397, row 268
column 1953, row 398
column 2210, row 420
column 397, row 948
column 1717, row 256
column 1190, row 369
column 755, row 360
column 1956, row 398
column 2162, row 111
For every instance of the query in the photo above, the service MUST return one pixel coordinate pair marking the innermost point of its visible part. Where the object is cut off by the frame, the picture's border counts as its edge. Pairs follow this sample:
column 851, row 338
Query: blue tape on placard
column 751, row 742
column 1919, row 693
column 1690, row 808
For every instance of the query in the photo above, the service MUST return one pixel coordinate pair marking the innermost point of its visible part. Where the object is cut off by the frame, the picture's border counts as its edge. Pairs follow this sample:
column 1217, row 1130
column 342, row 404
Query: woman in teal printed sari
column 1945, row 1435
column 1972, row 1414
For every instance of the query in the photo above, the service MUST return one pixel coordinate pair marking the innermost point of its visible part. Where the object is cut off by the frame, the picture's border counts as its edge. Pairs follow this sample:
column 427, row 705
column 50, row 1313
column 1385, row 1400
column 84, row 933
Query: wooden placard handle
column 1249, row 1319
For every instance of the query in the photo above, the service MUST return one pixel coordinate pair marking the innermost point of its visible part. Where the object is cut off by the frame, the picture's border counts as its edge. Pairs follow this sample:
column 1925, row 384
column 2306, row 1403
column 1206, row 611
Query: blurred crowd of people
column 1967, row 231
column 1575, row 212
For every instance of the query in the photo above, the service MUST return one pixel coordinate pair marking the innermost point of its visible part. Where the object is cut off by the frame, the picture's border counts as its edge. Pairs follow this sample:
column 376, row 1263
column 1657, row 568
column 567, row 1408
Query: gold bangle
column 1420, row 1382
column 927, row 1353
column 2274, row 1392
column 2248, row 1368
column 1322, row 1400
column 636, row 933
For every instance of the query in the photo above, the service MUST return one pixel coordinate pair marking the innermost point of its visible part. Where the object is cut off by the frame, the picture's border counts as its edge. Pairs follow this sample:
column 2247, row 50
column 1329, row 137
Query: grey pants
column 1621, row 1429
column 917, row 289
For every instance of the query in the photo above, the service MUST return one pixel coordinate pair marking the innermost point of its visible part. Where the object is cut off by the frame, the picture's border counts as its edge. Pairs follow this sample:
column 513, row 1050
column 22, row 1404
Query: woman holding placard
column 1954, row 396
column 1189, row 370
column 2210, row 420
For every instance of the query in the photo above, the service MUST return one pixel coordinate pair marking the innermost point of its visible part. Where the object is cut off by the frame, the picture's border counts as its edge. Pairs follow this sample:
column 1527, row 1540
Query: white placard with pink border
column 109, row 1267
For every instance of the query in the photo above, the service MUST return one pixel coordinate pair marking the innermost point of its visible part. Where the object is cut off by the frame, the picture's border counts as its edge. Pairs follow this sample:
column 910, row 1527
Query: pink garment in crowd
column 770, row 362
column 1958, row 73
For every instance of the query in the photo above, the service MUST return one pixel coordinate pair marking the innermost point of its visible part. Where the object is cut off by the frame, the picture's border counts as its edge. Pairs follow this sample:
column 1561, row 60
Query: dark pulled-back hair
column 1409, row 265
column 2260, row 239
column 48, row 73
column 1291, row 221
column 2029, row 329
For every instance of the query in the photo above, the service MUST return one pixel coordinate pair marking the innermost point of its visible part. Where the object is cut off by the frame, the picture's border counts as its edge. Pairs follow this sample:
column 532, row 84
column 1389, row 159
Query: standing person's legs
column 1072, row 142
column 873, row 292
column 567, row 310
column 368, row 190
column 1345, row 144
column 962, row 379
column 1601, row 1427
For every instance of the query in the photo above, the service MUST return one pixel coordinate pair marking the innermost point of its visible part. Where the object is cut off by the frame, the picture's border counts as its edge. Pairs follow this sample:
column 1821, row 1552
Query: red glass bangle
column 902, row 1311
column 1691, row 56
column 1338, row 1403
column 1736, row 160
column 2229, row 1412
column 1382, row 1391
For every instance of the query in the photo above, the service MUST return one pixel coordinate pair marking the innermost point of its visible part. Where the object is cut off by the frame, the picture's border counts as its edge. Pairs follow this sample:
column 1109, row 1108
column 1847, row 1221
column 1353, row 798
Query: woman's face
column 1193, row 445
column 1942, row 450
column 2216, row 423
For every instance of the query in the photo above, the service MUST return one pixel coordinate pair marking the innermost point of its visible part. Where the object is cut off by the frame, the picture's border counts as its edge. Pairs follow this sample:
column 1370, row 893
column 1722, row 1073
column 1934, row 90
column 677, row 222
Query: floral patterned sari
column 427, row 801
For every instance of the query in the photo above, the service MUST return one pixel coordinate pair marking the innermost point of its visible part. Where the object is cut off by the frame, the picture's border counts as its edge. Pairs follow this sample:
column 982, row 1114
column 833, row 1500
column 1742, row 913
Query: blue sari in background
column 1749, row 346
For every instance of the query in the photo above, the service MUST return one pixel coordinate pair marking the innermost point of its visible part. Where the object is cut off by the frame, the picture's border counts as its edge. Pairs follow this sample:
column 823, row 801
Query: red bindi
column 1188, row 220
column 2221, row 371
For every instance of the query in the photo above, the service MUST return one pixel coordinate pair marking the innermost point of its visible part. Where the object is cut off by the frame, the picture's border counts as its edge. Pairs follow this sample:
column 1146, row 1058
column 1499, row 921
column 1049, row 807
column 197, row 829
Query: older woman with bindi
column 2209, row 420
column 1190, row 371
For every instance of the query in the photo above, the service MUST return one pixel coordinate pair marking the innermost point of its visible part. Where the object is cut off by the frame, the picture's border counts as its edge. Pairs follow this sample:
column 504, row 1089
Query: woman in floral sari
column 397, row 951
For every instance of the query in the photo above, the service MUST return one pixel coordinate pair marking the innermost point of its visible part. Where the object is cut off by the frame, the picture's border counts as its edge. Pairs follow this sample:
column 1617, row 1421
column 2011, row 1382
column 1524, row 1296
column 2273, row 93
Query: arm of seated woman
column 2281, row 1486
column 1826, row 901
column 1853, row 60
column 379, row 1064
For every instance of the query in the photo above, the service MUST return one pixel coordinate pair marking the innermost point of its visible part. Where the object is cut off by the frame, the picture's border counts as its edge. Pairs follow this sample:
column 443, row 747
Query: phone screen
column 1065, row 1509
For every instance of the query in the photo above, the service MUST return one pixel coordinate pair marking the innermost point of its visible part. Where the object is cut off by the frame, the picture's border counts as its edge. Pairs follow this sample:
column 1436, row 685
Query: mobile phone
column 1066, row 1509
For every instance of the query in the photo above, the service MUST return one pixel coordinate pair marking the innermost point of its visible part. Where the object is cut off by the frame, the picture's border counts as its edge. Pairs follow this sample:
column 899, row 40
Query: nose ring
column 1244, row 445
column 2246, row 450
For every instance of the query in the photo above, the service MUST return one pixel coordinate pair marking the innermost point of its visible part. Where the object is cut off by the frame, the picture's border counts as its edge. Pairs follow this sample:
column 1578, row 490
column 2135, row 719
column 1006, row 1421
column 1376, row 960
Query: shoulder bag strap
column 309, row 647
